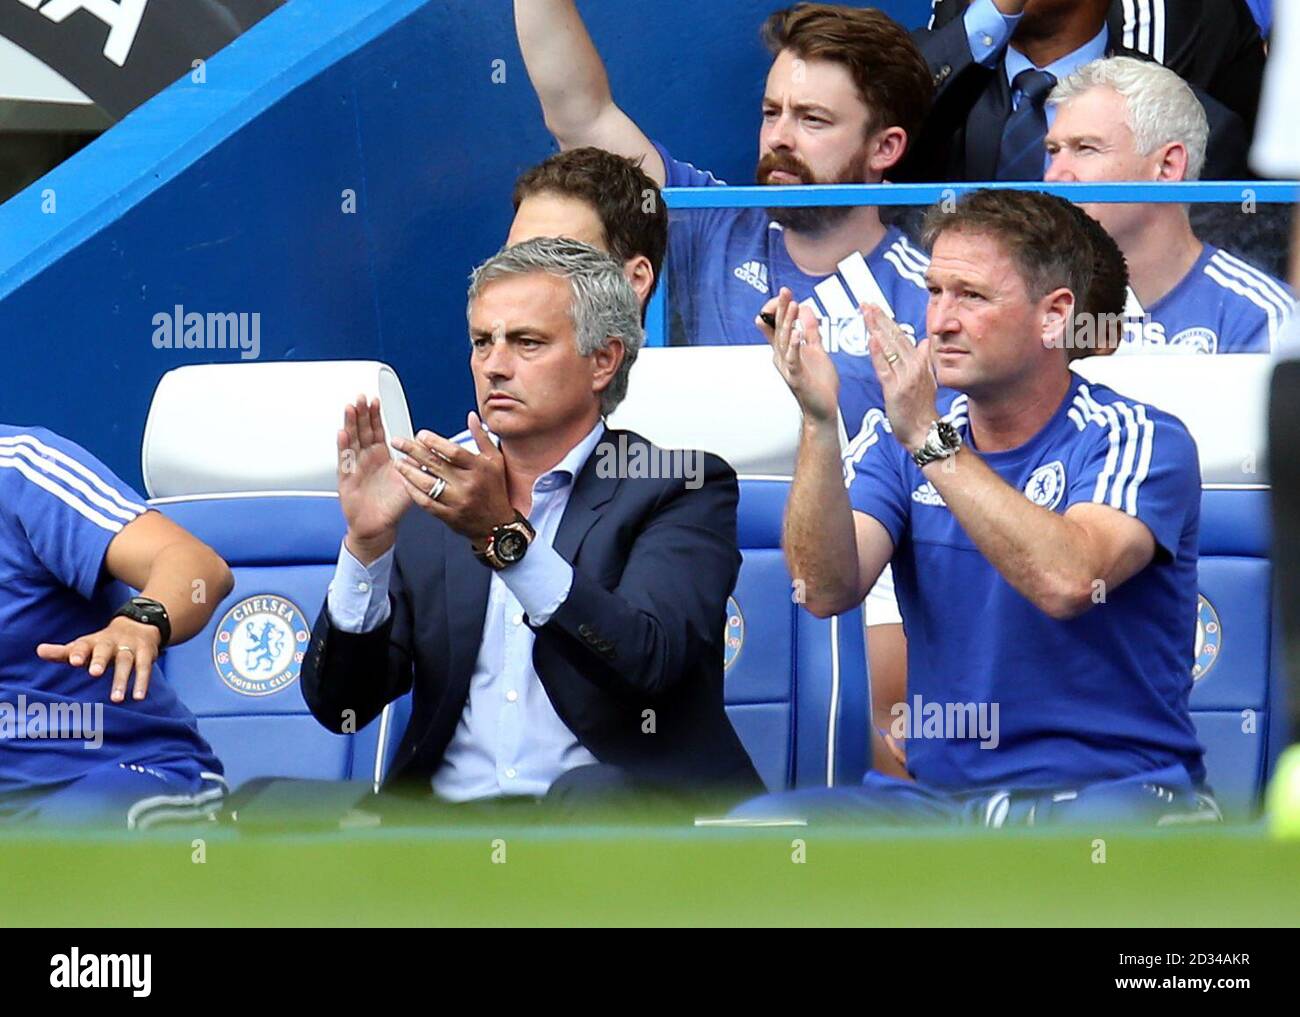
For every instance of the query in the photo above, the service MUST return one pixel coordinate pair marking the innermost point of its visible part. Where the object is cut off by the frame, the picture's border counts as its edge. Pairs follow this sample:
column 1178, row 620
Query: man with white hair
column 1125, row 119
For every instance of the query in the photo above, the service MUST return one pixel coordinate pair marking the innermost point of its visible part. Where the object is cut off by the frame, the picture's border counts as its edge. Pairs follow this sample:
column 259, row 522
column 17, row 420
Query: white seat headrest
column 728, row 400
column 259, row 428
column 1222, row 399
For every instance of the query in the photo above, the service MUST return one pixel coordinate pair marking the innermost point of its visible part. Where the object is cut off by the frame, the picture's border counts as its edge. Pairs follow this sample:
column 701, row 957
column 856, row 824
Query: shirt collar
column 1093, row 49
column 563, row 473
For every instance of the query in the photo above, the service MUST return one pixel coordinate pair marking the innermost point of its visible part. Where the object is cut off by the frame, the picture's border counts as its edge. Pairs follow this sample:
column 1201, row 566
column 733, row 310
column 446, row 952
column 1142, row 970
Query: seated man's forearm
column 190, row 580
column 349, row 677
column 820, row 546
column 1045, row 556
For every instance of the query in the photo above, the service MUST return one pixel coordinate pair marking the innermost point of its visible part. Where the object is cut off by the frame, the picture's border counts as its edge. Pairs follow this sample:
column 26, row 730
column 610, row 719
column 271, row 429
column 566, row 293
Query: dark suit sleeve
column 1237, row 78
column 348, row 678
column 947, row 52
column 959, row 82
column 669, row 606
column 944, row 11
column 1228, row 144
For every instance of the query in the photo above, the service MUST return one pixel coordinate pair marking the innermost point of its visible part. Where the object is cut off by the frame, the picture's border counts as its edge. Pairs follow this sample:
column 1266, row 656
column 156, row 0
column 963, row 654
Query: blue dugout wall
column 227, row 194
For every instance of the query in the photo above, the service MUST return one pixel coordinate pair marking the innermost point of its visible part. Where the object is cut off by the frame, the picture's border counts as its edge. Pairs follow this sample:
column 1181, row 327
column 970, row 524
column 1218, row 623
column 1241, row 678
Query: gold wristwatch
column 507, row 543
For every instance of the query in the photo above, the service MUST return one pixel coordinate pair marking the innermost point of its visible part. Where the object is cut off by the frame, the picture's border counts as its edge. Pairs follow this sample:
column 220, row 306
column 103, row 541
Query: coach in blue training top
column 1043, row 534
column 74, row 748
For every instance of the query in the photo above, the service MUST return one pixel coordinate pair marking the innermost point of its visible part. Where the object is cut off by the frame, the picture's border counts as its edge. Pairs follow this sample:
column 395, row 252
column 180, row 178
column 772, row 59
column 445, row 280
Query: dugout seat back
column 728, row 400
column 1236, row 673
column 244, row 457
column 796, row 686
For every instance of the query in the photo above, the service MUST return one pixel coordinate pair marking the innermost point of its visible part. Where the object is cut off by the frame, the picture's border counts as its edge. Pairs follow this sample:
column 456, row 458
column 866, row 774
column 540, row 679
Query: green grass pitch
column 494, row 875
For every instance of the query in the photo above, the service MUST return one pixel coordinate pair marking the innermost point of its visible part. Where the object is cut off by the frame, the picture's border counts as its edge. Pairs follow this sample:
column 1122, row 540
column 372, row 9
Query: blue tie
column 1021, row 156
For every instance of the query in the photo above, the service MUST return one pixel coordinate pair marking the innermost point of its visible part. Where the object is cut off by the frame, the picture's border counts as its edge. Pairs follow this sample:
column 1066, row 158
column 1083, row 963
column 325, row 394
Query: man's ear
column 1058, row 309
column 887, row 149
column 1173, row 162
column 605, row 364
column 641, row 274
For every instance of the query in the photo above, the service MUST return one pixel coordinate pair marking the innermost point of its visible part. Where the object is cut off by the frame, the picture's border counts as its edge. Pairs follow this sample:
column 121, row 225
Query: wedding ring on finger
column 126, row 649
column 892, row 358
column 436, row 490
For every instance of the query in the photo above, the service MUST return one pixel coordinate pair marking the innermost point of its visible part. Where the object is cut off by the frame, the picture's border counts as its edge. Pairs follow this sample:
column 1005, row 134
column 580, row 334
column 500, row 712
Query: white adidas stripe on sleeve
column 51, row 459
column 43, row 481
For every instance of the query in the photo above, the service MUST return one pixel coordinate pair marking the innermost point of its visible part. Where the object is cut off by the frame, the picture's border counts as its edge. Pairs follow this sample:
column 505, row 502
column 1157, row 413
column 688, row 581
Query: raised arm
column 360, row 657
column 837, row 554
column 571, row 84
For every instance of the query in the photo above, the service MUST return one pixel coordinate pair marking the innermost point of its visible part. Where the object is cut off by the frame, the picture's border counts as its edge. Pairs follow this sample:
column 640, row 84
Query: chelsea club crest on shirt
column 260, row 645
column 1196, row 340
column 1046, row 485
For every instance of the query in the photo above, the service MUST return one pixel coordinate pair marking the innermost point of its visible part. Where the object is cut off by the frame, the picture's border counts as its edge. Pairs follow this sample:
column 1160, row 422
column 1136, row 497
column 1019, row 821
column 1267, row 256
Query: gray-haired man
column 556, row 611
column 1122, row 119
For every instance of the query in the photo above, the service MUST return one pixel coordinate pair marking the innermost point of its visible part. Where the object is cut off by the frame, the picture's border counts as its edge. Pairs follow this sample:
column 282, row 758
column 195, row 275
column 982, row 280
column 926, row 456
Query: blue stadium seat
column 1236, row 640
column 282, row 550
column 1236, row 672
column 796, row 686
column 259, row 488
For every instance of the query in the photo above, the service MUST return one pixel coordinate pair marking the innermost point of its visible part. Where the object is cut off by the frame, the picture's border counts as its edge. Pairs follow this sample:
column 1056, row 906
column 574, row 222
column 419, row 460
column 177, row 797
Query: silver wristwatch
column 941, row 441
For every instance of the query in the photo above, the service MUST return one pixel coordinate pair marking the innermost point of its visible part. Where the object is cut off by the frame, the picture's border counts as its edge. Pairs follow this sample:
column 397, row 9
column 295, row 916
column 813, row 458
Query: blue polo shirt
column 60, row 508
column 1222, row 305
column 1098, row 697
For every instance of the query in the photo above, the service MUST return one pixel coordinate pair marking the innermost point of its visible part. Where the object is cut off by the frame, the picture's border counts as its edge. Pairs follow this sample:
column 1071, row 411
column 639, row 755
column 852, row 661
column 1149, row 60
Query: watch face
column 510, row 546
column 147, row 608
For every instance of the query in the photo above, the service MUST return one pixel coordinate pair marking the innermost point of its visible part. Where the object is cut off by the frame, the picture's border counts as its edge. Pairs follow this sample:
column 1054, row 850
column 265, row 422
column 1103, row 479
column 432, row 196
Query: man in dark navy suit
column 553, row 593
column 995, row 62
column 1214, row 45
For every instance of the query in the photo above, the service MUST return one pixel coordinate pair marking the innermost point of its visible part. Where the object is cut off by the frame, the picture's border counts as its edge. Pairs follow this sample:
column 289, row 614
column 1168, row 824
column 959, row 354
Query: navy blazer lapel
column 985, row 125
column 590, row 492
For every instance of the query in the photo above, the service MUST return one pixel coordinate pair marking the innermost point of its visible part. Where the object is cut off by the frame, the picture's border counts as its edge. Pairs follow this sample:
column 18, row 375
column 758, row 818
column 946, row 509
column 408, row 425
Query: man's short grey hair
column 604, row 305
column 1162, row 108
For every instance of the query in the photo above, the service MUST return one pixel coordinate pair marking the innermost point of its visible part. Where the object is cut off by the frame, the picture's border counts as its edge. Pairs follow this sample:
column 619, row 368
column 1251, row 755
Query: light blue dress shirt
column 509, row 741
